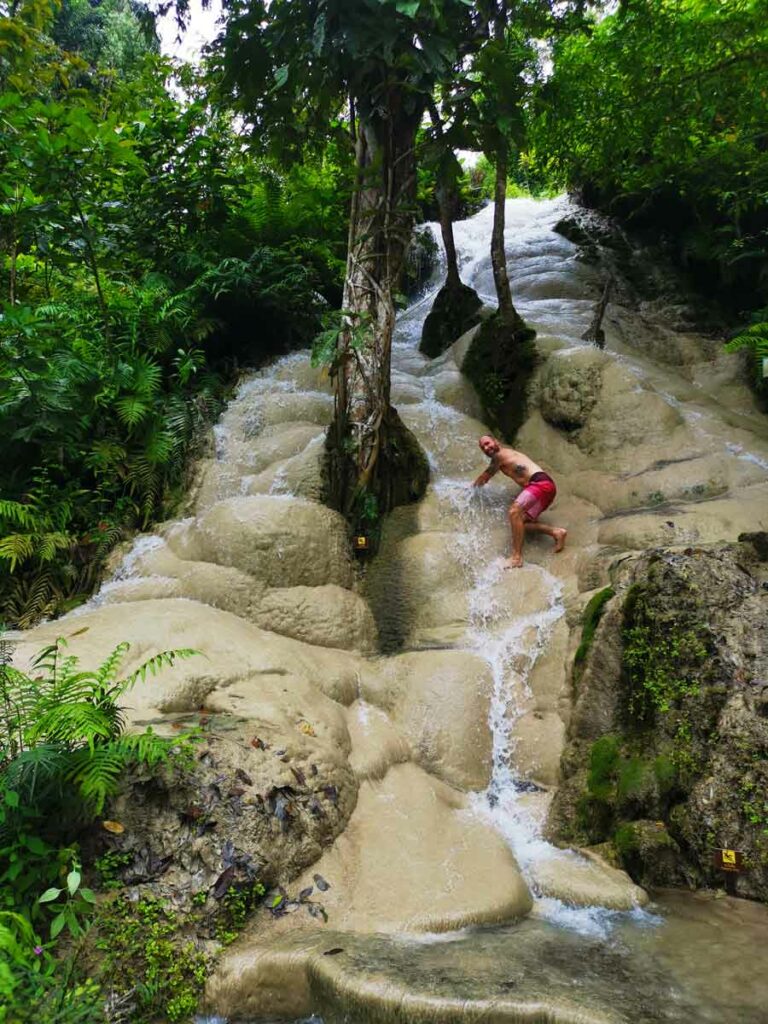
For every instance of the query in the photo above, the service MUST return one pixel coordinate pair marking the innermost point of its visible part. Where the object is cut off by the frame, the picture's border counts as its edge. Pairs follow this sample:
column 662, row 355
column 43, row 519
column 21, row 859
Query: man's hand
column 482, row 479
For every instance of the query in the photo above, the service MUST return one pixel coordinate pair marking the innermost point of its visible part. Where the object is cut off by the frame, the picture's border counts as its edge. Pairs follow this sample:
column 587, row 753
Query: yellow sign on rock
column 729, row 860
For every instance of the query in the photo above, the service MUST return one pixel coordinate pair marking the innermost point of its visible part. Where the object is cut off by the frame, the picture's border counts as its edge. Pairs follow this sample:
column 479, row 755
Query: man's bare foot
column 515, row 562
column 559, row 533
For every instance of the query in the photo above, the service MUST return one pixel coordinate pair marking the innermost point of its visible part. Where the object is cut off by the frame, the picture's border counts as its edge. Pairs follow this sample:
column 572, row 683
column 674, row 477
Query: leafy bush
column 139, row 244
column 657, row 112
column 63, row 749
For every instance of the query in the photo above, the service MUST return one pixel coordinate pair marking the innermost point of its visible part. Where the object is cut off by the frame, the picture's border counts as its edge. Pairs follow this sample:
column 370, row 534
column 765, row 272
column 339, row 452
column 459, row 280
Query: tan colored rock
column 707, row 523
column 412, row 859
column 417, row 591
column 292, row 407
column 449, row 437
column 377, row 744
column 282, row 540
column 303, row 475
column 231, row 650
column 569, row 386
column 440, row 702
column 538, row 742
column 460, row 348
column 585, row 881
column 328, row 616
column 214, row 481
column 275, row 444
column 216, row 585
column 450, row 387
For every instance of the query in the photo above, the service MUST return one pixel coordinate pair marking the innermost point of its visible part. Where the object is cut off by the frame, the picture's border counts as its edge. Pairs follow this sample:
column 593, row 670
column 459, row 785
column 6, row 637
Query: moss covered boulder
column 667, row 753
column 456, row 308
column 499, row 363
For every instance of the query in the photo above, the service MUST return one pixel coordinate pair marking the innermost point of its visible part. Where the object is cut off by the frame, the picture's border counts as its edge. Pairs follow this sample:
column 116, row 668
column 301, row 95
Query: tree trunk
column 446, row 198
column 447, row 202
column 507, row 311
column 365, row 426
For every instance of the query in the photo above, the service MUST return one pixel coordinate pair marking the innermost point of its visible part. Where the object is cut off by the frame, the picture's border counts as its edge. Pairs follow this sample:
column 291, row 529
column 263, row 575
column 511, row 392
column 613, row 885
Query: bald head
column 489, row 445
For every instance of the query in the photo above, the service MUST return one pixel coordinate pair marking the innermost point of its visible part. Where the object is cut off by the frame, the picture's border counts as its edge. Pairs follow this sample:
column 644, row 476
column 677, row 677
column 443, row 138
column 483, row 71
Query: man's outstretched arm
column 487, row 474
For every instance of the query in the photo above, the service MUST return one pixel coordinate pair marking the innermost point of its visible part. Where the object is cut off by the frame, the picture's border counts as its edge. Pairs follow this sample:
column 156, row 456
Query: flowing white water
column 554, row 291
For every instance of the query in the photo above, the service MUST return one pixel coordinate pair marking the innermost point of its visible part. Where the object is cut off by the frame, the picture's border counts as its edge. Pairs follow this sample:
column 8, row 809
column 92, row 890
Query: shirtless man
column 537, row 494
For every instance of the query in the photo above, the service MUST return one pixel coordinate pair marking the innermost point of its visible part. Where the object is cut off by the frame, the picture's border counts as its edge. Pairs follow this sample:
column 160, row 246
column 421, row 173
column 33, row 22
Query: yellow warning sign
column 729, row 860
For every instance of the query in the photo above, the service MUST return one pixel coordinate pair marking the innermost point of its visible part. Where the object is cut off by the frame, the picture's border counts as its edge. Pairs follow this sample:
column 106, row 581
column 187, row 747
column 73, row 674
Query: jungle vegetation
column 152, row 212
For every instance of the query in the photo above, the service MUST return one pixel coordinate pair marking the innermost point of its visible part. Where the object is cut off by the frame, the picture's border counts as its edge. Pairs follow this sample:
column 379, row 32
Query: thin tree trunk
column 498, row 252
column 507, row 311
column 446, row 200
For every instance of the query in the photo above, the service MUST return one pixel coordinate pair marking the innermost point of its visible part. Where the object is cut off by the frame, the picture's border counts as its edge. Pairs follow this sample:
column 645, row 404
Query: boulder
column 440, row 703
column 328, row 616
column 384, row 877
column 281, row 540
column 569, row 387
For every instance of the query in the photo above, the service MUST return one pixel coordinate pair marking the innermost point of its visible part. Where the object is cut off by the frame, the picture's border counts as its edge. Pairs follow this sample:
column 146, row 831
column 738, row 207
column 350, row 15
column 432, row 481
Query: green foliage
column 755, row 340
column 658, row 112
column 144, row 951
column 590, row 619
column 62, row 731
column 604, row 760
column 70, row 905
column 62, row 750
column 662, row 659
column 139, row 243
column 109, row 865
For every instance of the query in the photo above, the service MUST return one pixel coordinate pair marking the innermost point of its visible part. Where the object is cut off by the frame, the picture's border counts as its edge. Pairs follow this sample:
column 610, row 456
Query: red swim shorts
column 536, row 496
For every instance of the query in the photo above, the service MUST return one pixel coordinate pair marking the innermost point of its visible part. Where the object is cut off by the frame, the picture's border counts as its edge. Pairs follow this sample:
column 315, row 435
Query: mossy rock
column 401, row 477
column 649, row 854
column 421, row 259
column 456, row 308
column 500, row 363
column 590, row 619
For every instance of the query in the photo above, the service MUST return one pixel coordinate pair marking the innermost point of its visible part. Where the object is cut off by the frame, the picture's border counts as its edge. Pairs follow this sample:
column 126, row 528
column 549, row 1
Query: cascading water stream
column 509, row 645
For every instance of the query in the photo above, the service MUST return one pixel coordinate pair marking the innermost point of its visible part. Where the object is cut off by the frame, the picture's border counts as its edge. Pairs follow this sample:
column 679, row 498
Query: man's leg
column 557, row 533
column 517, row 525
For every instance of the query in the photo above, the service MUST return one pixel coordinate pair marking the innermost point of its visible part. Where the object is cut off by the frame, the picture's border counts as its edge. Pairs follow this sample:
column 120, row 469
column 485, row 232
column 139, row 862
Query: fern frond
column 95, row 774
column 755, row 338
column 166, row 659
column 106, row 673
column 72, row 725
column 20, row 514
column 145, row 748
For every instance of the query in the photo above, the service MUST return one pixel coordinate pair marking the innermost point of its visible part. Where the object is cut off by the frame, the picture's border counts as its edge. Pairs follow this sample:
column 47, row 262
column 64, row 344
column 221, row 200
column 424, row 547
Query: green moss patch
column 590, row 619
